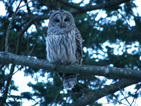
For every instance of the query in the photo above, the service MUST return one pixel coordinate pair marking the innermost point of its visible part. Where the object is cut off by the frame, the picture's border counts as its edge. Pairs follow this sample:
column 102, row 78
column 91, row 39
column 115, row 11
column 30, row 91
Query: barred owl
column 64, row 44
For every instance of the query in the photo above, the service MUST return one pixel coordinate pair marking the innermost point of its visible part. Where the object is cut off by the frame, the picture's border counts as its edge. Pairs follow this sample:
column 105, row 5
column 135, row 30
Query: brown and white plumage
column 64, row 44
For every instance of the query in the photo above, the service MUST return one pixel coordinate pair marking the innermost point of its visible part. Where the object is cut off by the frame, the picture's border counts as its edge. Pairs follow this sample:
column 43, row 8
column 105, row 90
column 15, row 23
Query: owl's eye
column 57, row 20
column 66, row 19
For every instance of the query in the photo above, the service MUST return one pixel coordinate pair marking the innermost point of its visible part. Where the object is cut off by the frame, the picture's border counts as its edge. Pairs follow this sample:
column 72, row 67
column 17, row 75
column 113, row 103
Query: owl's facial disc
column 61, row 20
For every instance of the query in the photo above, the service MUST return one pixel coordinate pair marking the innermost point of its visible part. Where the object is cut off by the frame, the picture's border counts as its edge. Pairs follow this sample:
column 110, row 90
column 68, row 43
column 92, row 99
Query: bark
column 86, row 8
column 109, row 72
column 78, row 10
column 29, row 23
column 7, row 86
column 92, row 96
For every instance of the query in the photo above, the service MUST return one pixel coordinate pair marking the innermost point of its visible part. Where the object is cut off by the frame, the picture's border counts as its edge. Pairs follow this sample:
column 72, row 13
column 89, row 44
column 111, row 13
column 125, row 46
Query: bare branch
column 8, row 30
column 110, row 72
column 77, row 11
column 109, row 89
column 30, row 22
column 69, row 4
column 125, row 98
column 98, row 6
column 7, row 86
column 6, row 49
column 26, row 4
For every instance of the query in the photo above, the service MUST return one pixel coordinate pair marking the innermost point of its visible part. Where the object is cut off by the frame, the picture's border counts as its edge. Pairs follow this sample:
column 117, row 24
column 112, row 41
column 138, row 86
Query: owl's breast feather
column 61, row 47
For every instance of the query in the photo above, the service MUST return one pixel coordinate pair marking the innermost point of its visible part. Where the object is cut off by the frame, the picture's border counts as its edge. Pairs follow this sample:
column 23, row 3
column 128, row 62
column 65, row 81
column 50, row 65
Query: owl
column 64, row 44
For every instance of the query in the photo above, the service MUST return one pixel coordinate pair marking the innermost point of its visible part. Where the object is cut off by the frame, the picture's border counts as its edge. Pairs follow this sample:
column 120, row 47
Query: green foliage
column 95, row 33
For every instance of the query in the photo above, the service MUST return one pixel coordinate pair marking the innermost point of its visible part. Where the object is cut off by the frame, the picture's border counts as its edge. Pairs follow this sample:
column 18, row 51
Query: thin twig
column 25, row 4
column 70, row 4
column 29, row 23
column 55, row 98
column 124, row 18
column 32, row 49
column 6, row 77
column 1, row 66
column 8, row 30
column 125, row 97
column 121, row 99
column 3, row 101
column 3, row 24
column 134, row 94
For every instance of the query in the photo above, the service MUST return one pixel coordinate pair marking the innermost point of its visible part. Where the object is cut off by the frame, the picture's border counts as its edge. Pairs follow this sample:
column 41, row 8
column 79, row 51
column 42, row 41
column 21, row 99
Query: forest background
column 111, row 53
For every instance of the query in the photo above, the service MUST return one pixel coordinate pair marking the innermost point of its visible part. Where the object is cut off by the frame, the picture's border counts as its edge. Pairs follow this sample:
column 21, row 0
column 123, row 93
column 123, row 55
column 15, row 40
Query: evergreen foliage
column 108, row 38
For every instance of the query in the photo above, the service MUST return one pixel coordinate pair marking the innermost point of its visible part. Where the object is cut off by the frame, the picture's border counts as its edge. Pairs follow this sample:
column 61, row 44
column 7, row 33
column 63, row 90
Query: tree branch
column 93, row 7
column 30, row 22
column 77, row 11
column 110, row 72
column 69, row 4
column 7, row 86
column 8, row 30
column 92, row 96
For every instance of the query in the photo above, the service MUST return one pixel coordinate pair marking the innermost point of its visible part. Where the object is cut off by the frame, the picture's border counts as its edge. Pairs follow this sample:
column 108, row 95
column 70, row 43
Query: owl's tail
column 69, row 80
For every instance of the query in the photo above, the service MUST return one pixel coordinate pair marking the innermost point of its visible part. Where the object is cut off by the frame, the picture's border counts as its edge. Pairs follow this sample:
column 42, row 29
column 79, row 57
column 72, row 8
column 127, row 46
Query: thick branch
column 92, row 96
column 93, row 7
column 77, row 11
column 69, row 4
column 104, row 5
column 110, row 72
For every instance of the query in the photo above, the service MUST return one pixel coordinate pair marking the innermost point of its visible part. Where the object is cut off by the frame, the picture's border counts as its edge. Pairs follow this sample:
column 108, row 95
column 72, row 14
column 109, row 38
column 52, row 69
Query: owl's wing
column 79, row 51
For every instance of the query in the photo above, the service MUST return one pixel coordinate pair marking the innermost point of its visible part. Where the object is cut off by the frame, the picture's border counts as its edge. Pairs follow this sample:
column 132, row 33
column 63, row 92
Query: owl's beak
column 62, row 25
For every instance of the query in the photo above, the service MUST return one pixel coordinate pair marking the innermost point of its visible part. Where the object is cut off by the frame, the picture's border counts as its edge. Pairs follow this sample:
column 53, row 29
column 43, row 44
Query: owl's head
column 61, row 19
